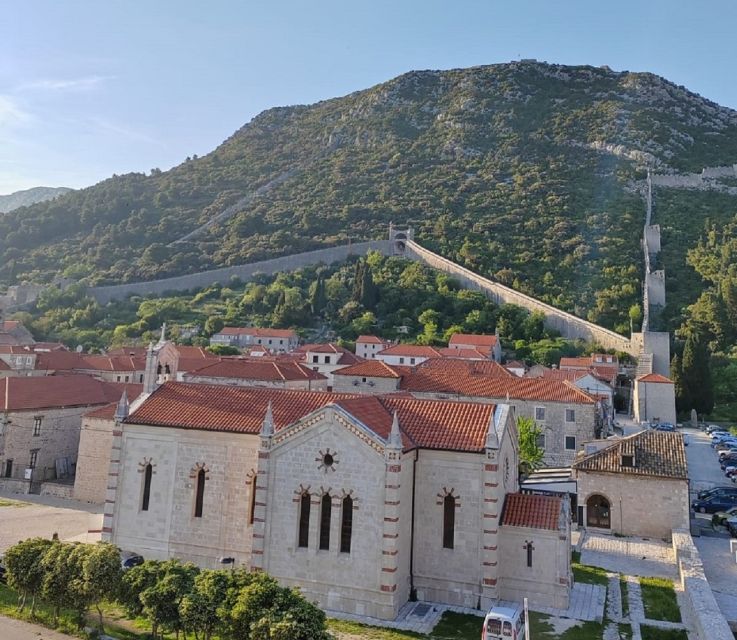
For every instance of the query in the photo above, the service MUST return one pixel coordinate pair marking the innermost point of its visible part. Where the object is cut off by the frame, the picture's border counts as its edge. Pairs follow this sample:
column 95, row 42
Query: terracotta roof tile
column 486, row 379
column 480, row 353
column 26, row 393
column 258, row 332
column 431, row 424
column 412, row 350
column 257, row 369
column 534, row 512
column 371, row 340
column 656, row 453
column 369, row 369
column 477, row 340
column 655, row 377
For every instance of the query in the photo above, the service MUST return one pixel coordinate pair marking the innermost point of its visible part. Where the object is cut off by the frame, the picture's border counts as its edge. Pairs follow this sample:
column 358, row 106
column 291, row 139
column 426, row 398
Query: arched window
column 200, row 495
column 598, row 512
column 304, row 520
column 449, row 521
column 252, row 506
column 147, row 473
column 326, row 506
column 167, row 369
column 158, row 370
column 346, row 525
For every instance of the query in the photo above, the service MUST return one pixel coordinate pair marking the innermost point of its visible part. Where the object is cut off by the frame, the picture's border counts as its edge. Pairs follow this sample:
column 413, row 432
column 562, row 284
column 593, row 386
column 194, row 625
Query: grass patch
column 625, row 594
column 653, row 633
column 542, row 629
column 371, row 633
column 44, row 614
column 5, row 502
column 659, row 599
column 625, row 630
column 587, row 574
column 452, row 626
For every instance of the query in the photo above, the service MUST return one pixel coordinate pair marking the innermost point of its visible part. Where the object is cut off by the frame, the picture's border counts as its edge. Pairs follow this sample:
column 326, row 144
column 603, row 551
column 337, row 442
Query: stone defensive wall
column 244, row 271
column 568, row 325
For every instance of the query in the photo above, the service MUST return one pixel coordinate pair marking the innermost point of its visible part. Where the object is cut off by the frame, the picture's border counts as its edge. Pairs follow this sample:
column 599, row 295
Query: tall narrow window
column 346, row 525
column 200, row 496
column 325, row 509
column 252, row 506
column 304, row 520
column 37, row 420
column 449, row 521
column 146, row 487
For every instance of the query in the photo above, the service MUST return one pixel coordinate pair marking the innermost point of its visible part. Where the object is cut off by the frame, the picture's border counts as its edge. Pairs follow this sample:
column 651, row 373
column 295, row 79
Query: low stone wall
column 15, row 485
column 57, row 489
column 568, row 325
column 243, row 271
column 704, row 610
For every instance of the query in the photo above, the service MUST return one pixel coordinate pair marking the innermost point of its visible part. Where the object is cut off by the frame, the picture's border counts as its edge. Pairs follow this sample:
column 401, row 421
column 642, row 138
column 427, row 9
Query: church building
column 362, row 502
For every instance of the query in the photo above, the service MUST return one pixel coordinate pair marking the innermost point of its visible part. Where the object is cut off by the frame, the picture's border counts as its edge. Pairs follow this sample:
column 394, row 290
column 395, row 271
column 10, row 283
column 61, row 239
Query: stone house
column 567, row 415
column 326, row 358
column 408, row 354
column 360, row 501
column 12, row 332
column 258, row 372
column 40, row 420
column 636, row 486
column 275, row 340
column 368, row 346
column 654, row 399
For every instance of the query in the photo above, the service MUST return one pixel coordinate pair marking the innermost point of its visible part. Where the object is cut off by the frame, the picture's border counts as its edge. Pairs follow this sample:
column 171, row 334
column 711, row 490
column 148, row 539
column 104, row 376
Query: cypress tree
column 683, row 400
column 696, row 374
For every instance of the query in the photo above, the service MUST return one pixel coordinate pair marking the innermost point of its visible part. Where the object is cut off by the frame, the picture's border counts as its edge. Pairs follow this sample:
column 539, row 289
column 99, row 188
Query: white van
column 504, row 623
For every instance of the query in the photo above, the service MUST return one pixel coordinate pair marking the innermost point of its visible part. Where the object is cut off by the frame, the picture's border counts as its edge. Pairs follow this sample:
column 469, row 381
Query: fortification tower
column 399, row 238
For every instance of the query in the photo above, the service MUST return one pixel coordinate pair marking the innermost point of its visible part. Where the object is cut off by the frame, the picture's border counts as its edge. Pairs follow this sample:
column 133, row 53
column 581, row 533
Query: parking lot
column 23, row 516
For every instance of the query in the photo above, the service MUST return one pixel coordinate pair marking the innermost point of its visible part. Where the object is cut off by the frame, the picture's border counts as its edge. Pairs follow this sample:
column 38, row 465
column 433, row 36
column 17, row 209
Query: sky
column 92, row 88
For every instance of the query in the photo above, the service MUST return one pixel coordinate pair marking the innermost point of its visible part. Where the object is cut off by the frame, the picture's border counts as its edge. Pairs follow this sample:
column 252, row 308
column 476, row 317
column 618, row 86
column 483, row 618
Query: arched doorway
column 598, row 512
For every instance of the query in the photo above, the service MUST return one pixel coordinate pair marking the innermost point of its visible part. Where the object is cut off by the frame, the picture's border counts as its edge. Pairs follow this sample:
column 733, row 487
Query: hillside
column 28, row 197
column 526, row 172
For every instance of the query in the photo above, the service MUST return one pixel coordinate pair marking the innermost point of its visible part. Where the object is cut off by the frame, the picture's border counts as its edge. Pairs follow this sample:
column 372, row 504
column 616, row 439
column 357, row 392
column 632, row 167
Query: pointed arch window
column 326, row 507
column 147, row 474
column 346, row 525
column 449, row 521
column 304, row 520
column 252, row 506
column 200, row 494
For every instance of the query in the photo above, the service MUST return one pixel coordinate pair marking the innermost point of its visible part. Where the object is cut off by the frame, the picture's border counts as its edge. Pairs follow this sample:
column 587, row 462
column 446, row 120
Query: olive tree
column 24, row 569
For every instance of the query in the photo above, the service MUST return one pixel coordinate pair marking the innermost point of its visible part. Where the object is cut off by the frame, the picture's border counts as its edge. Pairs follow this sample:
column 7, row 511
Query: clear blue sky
column 92, row 88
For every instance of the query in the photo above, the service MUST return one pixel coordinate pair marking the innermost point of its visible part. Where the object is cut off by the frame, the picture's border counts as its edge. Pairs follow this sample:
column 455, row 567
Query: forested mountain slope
column 525, row 172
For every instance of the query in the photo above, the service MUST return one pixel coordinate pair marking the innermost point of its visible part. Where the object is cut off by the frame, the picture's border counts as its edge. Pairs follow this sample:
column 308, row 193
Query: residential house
column 654, row 399
column 486, row 344
column 275, row 340
column 368, row 346
column 258, row 372
column 326, row 358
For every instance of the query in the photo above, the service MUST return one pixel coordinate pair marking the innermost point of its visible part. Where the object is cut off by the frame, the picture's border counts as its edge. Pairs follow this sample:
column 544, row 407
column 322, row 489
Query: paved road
column 703, row 466
column 17, row 630
column 44, row 516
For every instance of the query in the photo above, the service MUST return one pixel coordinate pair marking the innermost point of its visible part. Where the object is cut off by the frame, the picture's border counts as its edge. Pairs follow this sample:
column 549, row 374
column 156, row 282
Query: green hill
column 526, row 172
column 29, row 196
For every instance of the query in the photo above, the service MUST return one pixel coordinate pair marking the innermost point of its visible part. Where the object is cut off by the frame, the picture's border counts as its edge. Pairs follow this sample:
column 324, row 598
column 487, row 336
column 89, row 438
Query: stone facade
column 306, row 385
column 364, row 384
column 639, row 505
column 397, row 502
column 654, row 401
column 57, row 438
column 95, row 445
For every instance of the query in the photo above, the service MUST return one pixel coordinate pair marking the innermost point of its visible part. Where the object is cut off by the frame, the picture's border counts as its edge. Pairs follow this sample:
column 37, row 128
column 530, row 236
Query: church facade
column 361, row 502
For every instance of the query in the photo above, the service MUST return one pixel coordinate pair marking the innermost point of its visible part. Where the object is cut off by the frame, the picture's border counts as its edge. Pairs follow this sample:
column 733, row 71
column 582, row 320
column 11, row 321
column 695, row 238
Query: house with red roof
column 360, row 501
column 408, row 354
column 326, row 358
column 40, row 420
column 275, row 340
column 368, row 346
column 654, row 399
column 489, row 345
column 261, row 371
column 12, row 332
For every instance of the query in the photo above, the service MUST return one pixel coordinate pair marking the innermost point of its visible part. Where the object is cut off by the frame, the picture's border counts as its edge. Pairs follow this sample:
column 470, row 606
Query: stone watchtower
column 399, row 238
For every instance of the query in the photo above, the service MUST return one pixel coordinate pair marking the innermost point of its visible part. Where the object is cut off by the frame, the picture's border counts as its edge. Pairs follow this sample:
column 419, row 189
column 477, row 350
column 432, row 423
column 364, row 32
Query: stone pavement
column 631, row 556
column 720, row 569
column 587, row 603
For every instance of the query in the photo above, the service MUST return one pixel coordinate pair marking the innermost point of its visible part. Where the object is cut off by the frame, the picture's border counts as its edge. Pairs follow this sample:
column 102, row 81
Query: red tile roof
column 654, row 377
column 4, row 366
column 412, row 350
column 468, row 354
column 477, row 340
column 534, row 512
column 28, row 393
column 486, row 379
column 369, row 369
column 70, row 360
column 107, row 412
column 432, row 424
column 259, row 332
column 346, row 357
column 562, row 374
column 258, row 369
column 370, row 340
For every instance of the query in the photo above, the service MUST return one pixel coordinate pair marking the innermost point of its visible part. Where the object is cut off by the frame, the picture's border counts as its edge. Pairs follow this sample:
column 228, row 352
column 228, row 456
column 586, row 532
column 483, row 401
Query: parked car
column 721, row 517
column 716, row 491
column 128, row 560
column 730, row 469
column 665, row 426
column 714, row 503
column 711, row 428
column 729, row 461
column 724, row 450
column 504, row 623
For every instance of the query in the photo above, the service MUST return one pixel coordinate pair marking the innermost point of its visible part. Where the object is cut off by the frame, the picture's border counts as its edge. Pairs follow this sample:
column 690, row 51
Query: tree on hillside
column 683, row 400
column 530, row 452
column 696, row 374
